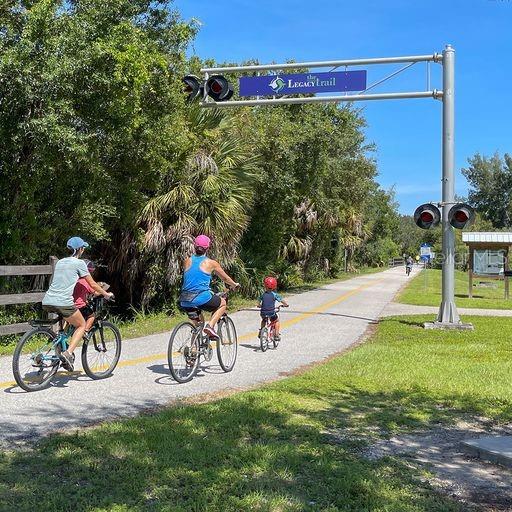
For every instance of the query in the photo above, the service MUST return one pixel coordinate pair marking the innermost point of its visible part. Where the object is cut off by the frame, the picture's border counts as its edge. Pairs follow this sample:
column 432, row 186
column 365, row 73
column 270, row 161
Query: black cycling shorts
column 212, row 305
column 86, row 312
column 273, row 318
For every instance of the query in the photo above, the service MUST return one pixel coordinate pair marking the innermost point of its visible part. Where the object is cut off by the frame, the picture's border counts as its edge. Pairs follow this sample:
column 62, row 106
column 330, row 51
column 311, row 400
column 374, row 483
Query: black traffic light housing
column 427, row 216
column 218, row 88
column 460, row 215
column 193, row 87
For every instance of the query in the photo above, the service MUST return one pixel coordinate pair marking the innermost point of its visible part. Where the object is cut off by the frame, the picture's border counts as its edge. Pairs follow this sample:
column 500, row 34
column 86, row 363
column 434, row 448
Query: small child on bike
column 267, row 305
column 81, row 295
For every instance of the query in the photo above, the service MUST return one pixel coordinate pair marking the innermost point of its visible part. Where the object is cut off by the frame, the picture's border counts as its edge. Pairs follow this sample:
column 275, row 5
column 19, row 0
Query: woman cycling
column 59, row 297
column 196, row 295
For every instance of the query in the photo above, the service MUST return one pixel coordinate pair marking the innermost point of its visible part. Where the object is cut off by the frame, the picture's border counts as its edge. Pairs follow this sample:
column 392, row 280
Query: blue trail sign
column 303, row 83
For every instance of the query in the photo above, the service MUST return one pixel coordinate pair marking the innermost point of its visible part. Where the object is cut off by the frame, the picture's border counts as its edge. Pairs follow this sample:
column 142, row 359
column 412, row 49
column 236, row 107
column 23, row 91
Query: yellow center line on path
column 245, row 337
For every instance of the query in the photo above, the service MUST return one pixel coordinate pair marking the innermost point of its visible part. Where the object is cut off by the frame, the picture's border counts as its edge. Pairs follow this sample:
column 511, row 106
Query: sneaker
column 210, row 332
column 277, row 337
column 67, row 360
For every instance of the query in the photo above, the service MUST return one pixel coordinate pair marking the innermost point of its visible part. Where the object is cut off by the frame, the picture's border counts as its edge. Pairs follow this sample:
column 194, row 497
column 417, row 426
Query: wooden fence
column 396, row 262
column 23, row 298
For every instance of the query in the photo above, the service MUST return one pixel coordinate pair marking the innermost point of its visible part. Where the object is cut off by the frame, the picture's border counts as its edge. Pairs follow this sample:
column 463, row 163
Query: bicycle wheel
column 101, row 353
column 227, row 345
column 183, row 352
column 275, row 340
column 35, row 362
column 264, row 339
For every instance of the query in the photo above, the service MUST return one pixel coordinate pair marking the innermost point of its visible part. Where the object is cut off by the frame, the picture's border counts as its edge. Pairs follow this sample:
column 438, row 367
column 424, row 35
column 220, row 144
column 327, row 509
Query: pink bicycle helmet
column 202, row 241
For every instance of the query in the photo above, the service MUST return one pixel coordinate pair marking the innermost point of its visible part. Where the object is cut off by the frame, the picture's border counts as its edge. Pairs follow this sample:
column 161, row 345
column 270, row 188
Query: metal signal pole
column 448, row 310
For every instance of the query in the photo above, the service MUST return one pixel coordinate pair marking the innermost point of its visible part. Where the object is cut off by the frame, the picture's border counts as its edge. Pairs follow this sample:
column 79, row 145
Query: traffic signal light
column 218, row 88
column 460, row 215
column 427, row 216
column 193, row 87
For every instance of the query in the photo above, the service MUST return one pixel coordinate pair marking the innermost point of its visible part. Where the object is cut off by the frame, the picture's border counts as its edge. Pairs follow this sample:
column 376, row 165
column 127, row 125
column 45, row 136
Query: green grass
column 425, row 290
column 144, row 324
column 268, row 449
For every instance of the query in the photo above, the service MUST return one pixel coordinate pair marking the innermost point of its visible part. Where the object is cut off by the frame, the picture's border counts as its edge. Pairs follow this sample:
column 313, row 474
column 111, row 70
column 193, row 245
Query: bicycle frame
column 62, row 340
column 270, row 325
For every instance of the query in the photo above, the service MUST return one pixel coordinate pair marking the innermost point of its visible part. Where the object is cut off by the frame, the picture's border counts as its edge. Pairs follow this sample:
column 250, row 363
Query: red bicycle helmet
column 270, row 282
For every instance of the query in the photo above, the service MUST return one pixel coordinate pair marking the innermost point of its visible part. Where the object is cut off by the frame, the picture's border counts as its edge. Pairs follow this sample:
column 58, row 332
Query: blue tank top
column 196, row 284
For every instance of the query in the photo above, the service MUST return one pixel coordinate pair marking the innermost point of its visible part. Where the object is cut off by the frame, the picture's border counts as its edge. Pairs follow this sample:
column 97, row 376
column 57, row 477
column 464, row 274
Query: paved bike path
column 318, row 324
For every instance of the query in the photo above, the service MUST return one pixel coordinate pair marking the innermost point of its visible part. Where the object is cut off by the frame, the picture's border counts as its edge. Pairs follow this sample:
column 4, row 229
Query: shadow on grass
column 466, row 296
column 261, row 450
column 411, row 323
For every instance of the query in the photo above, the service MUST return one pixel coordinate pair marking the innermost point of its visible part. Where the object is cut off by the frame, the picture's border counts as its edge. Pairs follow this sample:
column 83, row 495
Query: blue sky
column 407, row 133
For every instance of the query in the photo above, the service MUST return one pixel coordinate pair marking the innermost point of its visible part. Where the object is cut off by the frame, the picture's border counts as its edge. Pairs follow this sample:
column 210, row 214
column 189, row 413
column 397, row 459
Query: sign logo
column 277, row 85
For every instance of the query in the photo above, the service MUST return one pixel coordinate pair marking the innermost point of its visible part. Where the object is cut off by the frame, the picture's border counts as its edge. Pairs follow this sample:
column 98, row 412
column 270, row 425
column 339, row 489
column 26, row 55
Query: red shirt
column 82, row 289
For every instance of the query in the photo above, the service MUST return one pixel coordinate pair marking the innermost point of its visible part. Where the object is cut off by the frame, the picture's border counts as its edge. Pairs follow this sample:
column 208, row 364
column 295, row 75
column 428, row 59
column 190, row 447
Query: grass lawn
column 153, row 323
column 425, row 290
column 269, row 449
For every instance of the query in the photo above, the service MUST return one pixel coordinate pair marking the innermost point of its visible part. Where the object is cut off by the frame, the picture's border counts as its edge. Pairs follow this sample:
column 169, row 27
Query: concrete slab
column 495, row 449
column 449, row 327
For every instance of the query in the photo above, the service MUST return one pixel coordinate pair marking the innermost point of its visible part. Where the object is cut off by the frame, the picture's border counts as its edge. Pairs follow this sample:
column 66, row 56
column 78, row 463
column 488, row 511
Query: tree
column 90, row 105
column 490, row 181
column 208, row 190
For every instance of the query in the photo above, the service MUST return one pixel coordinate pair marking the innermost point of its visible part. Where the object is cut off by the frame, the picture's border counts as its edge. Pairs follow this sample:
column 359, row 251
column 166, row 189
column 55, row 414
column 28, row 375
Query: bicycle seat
column 44, row 321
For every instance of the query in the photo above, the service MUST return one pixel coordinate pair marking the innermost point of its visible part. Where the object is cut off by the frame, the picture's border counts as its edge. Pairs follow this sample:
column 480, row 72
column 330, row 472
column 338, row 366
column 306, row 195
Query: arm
column 281, row 300
column 220, row 272
column 98, row 290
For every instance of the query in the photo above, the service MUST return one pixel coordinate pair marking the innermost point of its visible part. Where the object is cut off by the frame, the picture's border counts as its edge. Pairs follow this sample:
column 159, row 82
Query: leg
column 216, row 315
column 78, row 322
column 89, row 323
column 194, row 315
column 277, row 327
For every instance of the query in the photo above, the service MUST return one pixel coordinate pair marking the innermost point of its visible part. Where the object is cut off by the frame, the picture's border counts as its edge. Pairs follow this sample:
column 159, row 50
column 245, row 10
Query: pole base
column 449, row 326
column 448, row 313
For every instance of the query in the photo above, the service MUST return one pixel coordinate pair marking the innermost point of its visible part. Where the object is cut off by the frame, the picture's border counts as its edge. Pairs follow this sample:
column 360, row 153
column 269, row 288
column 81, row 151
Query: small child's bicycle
column 36, row 356
column 268, row 333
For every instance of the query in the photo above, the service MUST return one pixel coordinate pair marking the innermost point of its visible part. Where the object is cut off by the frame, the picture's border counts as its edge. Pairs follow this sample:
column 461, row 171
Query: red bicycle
column 268, row 333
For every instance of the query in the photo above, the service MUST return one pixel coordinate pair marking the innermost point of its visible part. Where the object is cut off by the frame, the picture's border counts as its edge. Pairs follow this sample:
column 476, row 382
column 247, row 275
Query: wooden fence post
column 505, row 269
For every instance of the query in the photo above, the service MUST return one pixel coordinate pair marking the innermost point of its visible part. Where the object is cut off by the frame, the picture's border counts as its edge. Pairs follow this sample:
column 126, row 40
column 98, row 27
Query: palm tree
column 208, row 191
column 354, row 232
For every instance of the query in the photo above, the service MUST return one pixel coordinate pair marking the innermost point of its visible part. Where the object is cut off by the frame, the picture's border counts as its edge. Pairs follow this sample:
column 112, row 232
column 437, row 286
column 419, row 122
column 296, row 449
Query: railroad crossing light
column 427, row 216
column 460, row 215
column 218, row 88
column 193, row 87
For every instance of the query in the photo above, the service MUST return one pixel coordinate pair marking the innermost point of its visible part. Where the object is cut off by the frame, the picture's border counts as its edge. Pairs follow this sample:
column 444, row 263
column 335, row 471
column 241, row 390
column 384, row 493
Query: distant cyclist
column 267, row 305
column 59, row 297
column 196, row 294
column 408, row 265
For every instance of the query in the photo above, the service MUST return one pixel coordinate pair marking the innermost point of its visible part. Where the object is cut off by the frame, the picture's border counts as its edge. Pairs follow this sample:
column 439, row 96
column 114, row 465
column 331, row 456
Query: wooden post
column 505, row 268
column 53, row 262
column 470, row 290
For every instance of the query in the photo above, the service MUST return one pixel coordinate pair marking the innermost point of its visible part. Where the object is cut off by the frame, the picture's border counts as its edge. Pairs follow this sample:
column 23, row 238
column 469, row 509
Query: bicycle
column 407, row 270
column 268, row 332
column 188, row 344
column 36, row 356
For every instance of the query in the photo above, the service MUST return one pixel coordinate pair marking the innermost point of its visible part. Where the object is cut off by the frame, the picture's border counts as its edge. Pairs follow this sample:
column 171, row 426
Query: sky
column 406, row 133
